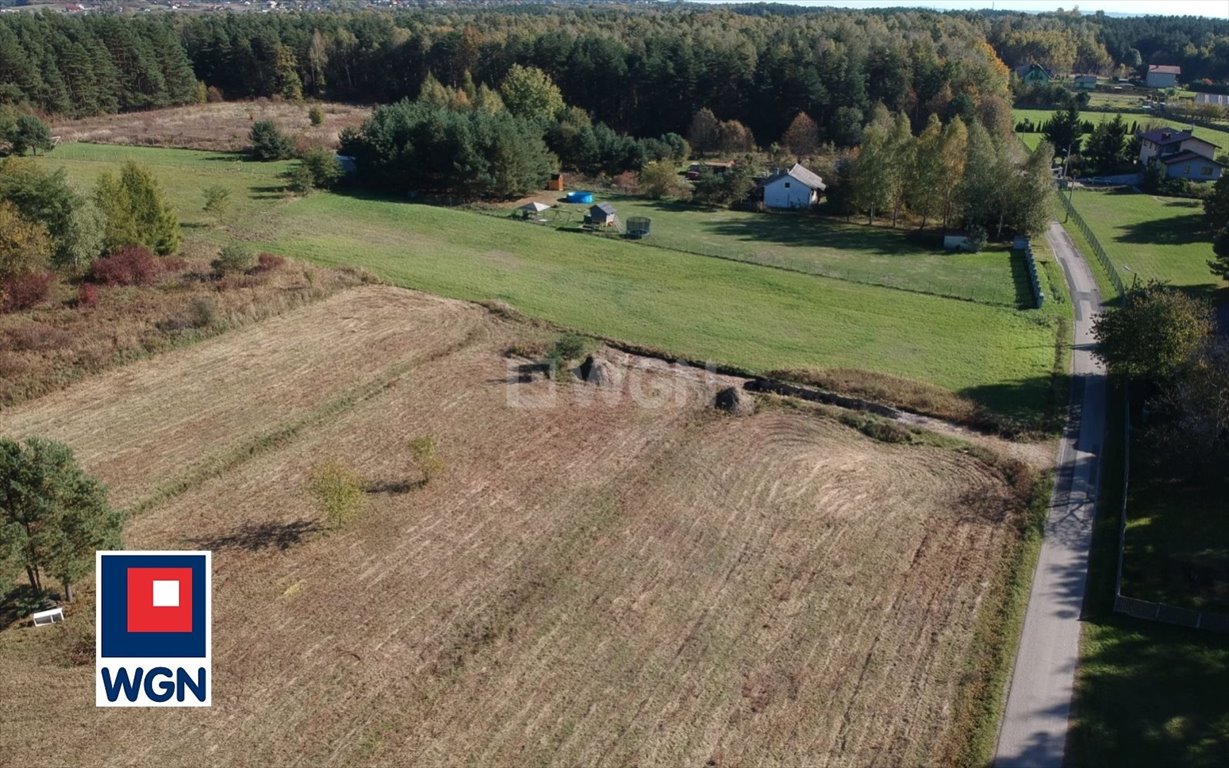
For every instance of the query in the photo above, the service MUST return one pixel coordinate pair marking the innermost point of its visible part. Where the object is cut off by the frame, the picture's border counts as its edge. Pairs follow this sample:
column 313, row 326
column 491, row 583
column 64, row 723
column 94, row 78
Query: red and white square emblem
column 159, row 599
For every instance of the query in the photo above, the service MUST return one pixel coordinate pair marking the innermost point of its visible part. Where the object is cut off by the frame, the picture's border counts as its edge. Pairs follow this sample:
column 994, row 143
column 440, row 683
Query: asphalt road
column 1034, row 729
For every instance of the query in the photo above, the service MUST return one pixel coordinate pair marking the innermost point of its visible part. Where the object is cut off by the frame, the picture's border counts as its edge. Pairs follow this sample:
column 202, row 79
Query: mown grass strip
column 282, row 435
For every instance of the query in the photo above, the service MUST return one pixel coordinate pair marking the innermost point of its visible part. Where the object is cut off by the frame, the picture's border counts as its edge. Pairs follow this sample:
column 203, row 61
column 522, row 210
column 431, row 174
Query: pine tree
column 53, row 516
column 136, row 212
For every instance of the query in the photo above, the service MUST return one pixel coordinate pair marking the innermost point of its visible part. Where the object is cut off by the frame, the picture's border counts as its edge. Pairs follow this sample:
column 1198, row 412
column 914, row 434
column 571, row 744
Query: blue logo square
column 116, row 640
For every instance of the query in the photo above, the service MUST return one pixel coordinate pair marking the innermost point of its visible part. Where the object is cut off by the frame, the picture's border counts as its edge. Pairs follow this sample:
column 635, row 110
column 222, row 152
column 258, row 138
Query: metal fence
column 1147, row 609
column 1097, row 248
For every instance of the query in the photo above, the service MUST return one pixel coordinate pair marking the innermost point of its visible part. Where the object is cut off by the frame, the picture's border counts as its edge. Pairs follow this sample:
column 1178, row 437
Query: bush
column 130, row 265
column 269, row 262
column 233, row 260
column 320, row 167
column 87, row 296
column 268, row 143
column 426, row 457
column 217, row 198
column 213, row 94
column 315, row 115
column 202, row 313
column 25, row 291
column 570, row 346
column 299, row 180
column 338, row 490
column 977, row 236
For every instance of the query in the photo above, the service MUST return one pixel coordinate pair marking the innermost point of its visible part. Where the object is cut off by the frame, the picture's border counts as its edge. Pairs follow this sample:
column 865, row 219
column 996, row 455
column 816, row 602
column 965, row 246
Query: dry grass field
column 217, row 127
column 62, row 341
column 622, row 576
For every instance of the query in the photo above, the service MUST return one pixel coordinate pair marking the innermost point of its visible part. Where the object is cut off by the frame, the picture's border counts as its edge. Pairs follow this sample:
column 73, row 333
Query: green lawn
column 1177, row 543
column 255, row 188
column 694, row 306
column 1160, row 238
column 1146, row 694
column 821, row 245
column 1039, row 116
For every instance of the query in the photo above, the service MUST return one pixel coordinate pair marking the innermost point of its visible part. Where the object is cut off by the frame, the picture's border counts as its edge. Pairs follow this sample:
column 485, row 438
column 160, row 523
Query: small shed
column 556, row 182
column 1086, row 82
column 532, row 209
column 603, row 215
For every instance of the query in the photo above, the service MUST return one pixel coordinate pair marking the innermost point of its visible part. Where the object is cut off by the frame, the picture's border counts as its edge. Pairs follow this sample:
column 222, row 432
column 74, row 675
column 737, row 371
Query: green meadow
column 686, row 304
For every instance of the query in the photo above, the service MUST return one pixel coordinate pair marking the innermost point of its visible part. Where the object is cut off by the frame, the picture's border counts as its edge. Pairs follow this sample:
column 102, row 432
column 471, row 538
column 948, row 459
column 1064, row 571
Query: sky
column 1214, row 8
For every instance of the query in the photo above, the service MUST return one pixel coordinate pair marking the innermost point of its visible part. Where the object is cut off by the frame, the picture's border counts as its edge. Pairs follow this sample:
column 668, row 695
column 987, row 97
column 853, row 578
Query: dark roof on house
column 799, row 174
column 1165, row 69
column 1165, row 136
column 1024, row 69
column 1184, row 157
column 605, row 208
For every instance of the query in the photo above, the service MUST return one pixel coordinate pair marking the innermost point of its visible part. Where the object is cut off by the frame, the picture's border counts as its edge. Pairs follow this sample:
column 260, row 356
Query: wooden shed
column 603, row 215
column 556, row 182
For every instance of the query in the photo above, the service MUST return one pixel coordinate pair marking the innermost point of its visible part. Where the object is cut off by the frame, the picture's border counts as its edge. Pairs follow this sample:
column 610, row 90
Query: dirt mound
column 734, row 401
column 599, row 372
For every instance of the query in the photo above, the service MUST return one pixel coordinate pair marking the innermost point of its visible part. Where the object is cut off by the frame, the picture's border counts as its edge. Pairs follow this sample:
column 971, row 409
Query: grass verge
column 997, row 634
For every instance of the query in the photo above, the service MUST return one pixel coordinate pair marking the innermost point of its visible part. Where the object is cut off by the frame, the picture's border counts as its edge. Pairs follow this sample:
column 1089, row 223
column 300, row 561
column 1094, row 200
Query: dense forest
column 641, row 70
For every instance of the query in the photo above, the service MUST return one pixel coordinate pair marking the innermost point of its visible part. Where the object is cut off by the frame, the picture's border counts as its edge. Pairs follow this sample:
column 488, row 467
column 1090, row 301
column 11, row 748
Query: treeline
column 1072, row 42
column 98, row 63
column 642, row 71
column 479, row 142
column 956, row 174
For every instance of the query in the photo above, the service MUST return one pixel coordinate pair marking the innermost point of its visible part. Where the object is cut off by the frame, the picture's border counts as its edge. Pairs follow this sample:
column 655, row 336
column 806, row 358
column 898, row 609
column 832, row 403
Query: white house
column 1162, row 76
column 795, row 188
column 1183, row 155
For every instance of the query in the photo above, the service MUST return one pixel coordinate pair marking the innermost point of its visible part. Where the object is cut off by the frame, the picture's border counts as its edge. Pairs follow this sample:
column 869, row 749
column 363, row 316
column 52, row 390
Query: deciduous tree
column 529, row 93
column 1155, row 331
column 802, row 136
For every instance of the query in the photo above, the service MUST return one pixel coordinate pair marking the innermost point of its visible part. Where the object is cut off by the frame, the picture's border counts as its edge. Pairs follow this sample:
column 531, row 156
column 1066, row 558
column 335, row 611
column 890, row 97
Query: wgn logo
column 153, row 629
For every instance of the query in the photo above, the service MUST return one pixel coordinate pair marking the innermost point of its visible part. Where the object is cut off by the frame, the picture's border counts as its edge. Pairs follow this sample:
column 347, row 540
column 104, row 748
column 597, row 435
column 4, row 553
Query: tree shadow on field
column 254, row 537
column 268, row 192
column 1180, row 230
column 395, row 486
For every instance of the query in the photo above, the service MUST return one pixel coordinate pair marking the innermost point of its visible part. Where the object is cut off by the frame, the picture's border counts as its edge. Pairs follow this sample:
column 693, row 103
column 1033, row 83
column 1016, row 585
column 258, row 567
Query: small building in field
column 1034, row 74
column 797, row 187
column 1162, row 76
column 1183, row 155
column 1086, row 82
column 556, row 182
column 603, row 215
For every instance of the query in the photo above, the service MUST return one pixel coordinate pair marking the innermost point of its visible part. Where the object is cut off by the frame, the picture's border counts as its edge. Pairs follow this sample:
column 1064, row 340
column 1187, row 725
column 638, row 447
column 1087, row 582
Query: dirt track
column 595, row 583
